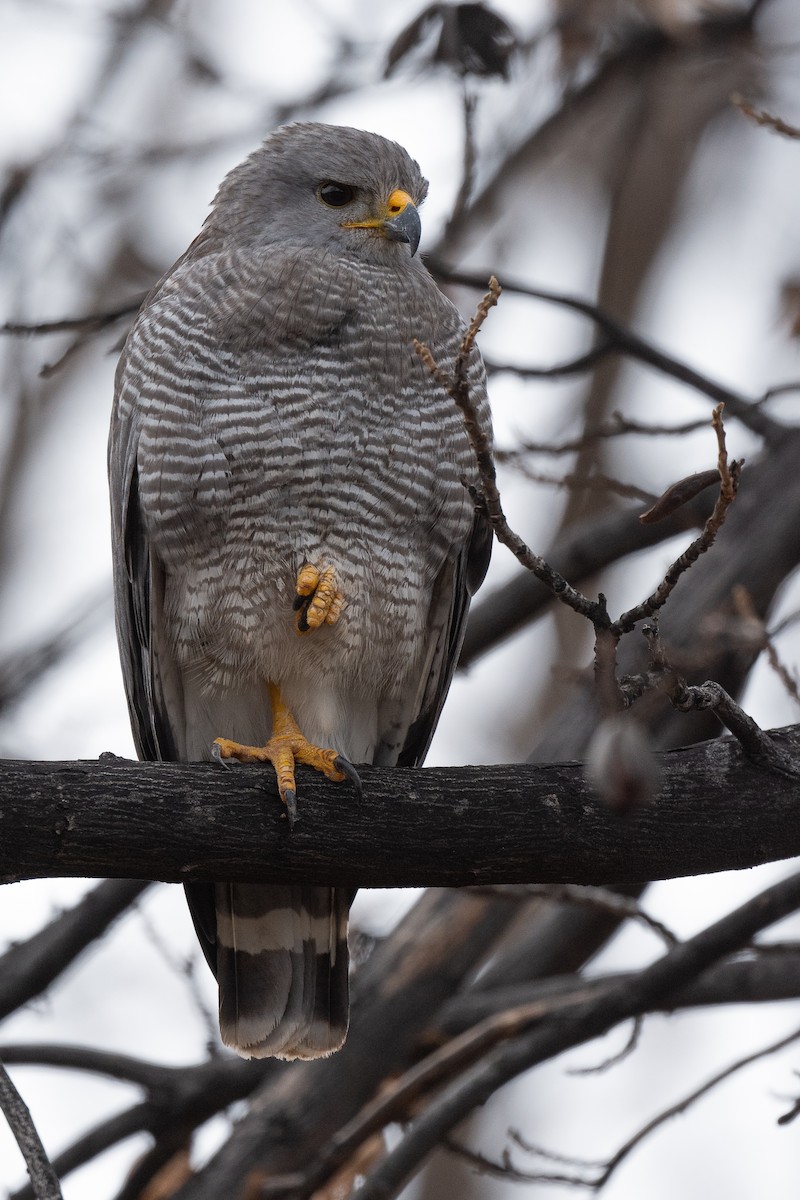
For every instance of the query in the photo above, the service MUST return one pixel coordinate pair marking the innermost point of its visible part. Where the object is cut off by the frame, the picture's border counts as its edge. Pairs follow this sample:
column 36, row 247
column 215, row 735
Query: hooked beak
column 398, row 222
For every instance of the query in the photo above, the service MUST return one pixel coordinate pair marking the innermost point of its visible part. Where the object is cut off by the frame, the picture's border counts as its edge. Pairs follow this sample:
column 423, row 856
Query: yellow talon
column 307, row 580
column 286, row 747
column 318, row 601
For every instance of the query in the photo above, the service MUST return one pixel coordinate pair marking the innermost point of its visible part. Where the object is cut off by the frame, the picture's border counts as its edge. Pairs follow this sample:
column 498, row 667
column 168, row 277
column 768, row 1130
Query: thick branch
column 762, row 977
column 445, row 826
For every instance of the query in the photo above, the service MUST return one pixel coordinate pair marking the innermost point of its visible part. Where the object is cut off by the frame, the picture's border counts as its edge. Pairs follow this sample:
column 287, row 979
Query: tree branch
column 27, row 968
column 618, row 339
column 585, row 550
column 763, row 976
column 589, row 1019
column 447, row 826
column 44, row 1181
column 108, row 1133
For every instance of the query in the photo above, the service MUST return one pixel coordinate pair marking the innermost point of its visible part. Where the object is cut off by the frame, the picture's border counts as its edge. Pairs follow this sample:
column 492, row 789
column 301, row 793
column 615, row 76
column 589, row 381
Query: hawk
column 294, row 547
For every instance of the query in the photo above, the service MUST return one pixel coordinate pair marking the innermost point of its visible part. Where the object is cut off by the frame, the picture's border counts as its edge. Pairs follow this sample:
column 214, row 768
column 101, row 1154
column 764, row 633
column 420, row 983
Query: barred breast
column 316, row 435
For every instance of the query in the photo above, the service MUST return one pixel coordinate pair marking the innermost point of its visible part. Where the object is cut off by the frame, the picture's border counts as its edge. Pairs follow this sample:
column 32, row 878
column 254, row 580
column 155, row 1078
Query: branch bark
column 440, row 826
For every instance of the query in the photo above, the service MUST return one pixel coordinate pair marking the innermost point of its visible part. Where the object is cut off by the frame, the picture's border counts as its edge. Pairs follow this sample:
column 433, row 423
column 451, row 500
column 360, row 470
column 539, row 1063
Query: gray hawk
column 294, row 547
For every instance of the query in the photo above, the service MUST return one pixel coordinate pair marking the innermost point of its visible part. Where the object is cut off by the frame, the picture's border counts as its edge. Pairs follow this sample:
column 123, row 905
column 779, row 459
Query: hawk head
column 341, row 189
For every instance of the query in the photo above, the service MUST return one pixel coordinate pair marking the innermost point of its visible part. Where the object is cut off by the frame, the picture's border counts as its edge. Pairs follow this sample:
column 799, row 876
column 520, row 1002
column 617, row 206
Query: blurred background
column 606, row 149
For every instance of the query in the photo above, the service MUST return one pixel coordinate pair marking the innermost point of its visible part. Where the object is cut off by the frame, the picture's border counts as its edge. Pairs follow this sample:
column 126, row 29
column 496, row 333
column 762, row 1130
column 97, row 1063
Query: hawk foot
column 286, row 747
column 318, row 600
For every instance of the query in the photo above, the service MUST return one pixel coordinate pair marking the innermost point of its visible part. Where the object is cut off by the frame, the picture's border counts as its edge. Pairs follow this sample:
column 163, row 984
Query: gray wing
column 147, row 673
column 457, row 582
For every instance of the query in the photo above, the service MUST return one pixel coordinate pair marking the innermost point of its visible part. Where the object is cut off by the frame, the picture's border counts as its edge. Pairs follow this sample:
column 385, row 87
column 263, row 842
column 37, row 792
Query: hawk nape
column 294, row 548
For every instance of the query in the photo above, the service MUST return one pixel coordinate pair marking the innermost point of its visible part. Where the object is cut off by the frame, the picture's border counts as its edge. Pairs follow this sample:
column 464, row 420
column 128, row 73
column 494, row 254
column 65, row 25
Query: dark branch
column 729, row 475
column 620, row 340
column 434, row 826
column 676, row 1109
column 765, row 975
column 105, row 1135
column 178, row 1099
column 89, row 322
column 44, row 1181
column 584, row 551
column 27, row 968
column 589, row 1019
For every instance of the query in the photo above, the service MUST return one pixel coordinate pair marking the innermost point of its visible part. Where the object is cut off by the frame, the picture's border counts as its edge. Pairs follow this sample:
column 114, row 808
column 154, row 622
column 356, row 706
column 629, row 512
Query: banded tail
column 282, row 969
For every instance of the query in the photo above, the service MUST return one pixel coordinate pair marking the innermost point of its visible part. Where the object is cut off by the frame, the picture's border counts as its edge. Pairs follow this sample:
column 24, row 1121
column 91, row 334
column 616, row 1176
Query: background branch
column 27, row 968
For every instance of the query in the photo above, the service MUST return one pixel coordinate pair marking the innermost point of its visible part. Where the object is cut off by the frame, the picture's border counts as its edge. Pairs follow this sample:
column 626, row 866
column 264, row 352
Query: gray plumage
column 271, row 411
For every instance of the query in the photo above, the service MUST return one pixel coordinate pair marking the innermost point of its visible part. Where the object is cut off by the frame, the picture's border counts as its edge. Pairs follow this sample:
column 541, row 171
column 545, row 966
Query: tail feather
column 282, row 969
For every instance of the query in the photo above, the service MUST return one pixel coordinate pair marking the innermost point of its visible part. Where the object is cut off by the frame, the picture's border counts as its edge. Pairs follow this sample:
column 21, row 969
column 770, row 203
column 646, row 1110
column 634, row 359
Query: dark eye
column 336, row 195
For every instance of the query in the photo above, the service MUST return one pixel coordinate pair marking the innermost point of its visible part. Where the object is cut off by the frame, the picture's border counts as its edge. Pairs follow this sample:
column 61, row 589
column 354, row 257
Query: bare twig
column 185, row 968
column 616, row 426
column 598, row 898
column 506, row 1168
column 743, row 602
column 761, row 974
column 576, row 481
column 573, row 366
column 785, row 623
column 620, row 340
column 779, row 389
column 614, row 1060
column 757, row 744
column 487, row 498
column 675, row 1109
column 760, row 117
column 89, row 322
column 729, row 474
column 44, row 1180
column 469, row 101
column 488, row 501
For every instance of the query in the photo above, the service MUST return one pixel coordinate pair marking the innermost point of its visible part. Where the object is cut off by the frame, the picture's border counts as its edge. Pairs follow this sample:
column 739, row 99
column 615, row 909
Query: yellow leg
column 318, row 601
column 286, row 747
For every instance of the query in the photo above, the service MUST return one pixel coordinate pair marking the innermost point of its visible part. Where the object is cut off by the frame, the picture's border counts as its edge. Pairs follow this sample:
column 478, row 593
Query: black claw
column 301, row 606
column 289, row 798
column 352, row 774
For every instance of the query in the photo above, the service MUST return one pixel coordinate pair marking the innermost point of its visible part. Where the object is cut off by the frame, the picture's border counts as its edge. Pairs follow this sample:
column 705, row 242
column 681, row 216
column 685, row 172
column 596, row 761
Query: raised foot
column 318, row 600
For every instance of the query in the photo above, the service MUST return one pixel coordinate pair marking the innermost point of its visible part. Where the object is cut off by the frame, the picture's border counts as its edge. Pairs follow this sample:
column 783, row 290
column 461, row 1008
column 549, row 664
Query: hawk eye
column 335, row 195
